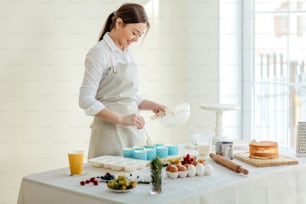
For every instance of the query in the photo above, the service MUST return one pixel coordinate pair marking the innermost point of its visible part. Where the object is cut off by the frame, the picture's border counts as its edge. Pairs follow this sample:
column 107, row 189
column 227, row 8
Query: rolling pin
column 228, row 164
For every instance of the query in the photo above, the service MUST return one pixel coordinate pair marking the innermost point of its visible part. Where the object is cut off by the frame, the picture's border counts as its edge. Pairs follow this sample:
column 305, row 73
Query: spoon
column 149, row 139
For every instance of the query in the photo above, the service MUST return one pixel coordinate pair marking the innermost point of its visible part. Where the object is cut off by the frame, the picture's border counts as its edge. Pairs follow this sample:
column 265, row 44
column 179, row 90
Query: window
column 275, row 73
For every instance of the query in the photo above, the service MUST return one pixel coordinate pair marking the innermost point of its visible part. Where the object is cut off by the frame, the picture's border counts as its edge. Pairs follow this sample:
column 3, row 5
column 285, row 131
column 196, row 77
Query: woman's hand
column 133, row 119
column 127, row 120
column 159, row 109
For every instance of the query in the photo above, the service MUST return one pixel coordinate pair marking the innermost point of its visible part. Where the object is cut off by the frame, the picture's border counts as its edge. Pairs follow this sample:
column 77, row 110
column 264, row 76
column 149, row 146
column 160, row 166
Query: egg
column 181, row 167
column 191, row 170
column 172, row 168
column 208, row 169
column 200, row 169
column 194, row 162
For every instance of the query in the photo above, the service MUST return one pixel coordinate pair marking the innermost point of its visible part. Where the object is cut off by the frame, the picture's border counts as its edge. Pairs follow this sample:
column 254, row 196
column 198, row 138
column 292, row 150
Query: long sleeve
column 94, row 68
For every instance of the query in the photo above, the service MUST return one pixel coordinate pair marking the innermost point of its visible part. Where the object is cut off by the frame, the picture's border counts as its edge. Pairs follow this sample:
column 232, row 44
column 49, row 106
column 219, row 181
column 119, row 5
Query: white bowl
column 177, row 115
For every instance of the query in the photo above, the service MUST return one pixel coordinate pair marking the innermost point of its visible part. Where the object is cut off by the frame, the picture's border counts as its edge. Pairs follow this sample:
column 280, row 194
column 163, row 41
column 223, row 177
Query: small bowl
column 182, row 174
column 172, row 175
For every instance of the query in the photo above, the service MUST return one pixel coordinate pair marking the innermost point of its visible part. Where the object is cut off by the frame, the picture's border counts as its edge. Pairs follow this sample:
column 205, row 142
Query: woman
column 109, row 88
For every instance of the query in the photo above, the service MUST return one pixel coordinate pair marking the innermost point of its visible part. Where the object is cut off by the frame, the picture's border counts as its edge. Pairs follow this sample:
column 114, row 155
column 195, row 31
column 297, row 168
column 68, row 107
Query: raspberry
column 95, row 182
column 87, row 181
column 92, row 179
column 82, row 183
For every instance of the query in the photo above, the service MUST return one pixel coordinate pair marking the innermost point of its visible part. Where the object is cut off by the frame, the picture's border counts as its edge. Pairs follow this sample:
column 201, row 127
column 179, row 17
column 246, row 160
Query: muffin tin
column 118, row 163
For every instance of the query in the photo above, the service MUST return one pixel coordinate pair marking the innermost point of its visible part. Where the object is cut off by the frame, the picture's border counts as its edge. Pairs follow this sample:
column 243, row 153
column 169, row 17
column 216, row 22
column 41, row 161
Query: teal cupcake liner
column 173, row 150
column 162, row 151
column 151, row 153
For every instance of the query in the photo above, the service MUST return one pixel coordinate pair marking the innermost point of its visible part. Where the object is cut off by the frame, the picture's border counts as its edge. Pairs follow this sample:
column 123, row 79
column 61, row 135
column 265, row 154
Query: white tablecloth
column 266, row 185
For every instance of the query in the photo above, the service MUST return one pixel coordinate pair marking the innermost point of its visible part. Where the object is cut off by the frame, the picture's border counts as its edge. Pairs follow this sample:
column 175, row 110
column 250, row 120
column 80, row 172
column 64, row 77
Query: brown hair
column 129, row 13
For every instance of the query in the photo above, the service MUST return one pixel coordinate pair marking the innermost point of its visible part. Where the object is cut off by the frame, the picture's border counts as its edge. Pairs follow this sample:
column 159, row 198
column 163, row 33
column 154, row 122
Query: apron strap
column 114, row 66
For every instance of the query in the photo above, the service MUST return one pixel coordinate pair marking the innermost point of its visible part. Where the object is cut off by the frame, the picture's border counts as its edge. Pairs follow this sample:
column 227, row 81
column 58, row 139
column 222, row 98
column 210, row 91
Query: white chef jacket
column 98, row 62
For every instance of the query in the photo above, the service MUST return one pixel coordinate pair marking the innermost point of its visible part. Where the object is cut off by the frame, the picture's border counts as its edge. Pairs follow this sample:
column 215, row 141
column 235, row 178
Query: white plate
column 120, row 191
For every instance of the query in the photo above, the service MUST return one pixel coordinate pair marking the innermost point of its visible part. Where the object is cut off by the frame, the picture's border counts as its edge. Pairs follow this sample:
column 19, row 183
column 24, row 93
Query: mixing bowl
column 176, row 115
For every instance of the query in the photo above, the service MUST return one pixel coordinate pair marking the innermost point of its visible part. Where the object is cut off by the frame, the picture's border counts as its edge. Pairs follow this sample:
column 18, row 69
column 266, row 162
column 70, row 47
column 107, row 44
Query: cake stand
column 219, row 109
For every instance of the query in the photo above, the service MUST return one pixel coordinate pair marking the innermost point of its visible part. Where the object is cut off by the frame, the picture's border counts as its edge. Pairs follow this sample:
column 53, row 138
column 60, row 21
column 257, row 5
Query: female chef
column 109, row 88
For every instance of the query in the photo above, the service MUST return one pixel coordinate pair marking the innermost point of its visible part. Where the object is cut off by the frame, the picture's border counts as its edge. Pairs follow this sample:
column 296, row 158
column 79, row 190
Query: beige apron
column 117, row 92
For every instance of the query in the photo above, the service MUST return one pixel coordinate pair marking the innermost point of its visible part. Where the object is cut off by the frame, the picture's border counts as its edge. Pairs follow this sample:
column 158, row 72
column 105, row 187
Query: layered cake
column 263, row 150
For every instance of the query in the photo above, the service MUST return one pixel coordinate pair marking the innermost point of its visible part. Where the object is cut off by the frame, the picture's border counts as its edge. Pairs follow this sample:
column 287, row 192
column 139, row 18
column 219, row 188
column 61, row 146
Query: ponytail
column 129, row 13
column 108, row 25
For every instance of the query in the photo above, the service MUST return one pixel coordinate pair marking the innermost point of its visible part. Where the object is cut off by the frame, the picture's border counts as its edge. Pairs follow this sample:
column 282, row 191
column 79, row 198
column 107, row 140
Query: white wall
column 202, row 41
column 42, row 48
column 230, row 46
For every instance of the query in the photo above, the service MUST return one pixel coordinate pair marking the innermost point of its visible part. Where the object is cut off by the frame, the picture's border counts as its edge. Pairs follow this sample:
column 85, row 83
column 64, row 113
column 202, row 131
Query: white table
column 267, row 185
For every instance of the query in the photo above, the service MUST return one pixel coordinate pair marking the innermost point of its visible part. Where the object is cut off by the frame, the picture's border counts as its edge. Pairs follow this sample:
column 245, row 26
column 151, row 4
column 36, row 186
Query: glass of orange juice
column 76, row 162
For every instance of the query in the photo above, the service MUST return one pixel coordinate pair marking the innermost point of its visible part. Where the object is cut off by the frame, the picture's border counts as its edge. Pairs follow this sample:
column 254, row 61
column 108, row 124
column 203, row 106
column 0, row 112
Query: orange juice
column 76, row 162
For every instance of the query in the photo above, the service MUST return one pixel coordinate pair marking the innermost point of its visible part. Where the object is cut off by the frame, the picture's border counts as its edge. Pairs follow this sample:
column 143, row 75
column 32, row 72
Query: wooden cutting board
column 281, row 160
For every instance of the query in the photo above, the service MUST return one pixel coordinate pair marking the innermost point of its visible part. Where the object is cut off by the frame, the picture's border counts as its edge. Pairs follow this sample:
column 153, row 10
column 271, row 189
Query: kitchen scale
column 301, row 139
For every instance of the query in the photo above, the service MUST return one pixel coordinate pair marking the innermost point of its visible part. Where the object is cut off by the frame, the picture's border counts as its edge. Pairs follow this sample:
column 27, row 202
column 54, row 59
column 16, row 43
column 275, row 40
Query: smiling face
column 125, row 34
